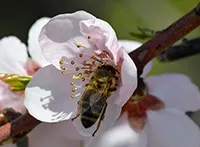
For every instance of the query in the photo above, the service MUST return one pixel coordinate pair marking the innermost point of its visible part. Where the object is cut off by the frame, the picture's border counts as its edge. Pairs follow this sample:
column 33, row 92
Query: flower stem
column 165, row 38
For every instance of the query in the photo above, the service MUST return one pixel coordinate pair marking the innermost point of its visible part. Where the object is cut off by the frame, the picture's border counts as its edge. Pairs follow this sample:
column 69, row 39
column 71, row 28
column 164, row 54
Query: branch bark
column 21, row 124
column 141, row 56
column 165, row 38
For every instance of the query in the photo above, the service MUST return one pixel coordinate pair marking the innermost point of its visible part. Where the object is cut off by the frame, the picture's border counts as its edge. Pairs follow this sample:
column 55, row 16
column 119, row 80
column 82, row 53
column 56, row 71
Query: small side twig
column 185, row 49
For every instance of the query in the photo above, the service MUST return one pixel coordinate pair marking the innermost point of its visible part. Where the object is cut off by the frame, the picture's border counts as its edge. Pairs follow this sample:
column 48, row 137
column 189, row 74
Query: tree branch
column 165, row 38
column 141, row 56
column 22, row 124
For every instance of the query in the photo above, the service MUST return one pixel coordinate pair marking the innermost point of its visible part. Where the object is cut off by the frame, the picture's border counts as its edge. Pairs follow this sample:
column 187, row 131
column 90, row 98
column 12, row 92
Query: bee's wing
column 94, row 100
column 98, row 101
column 89, row 97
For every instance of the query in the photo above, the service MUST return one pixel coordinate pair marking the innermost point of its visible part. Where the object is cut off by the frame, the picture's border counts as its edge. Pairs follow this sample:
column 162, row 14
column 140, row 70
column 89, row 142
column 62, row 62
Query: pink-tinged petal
column 101, row 34
column 33, row 43
column 10, row 99
column 52, row 135
column 121, row 135
column 176, row 91
column 13, row 56
column 111, row 115
column 128, row 81
column 130, row 46
column 171, row 128
column 60, row 37
column 48, row 95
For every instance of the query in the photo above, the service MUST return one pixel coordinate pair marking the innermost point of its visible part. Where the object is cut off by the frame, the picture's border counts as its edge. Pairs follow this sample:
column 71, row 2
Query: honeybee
column 92, row 104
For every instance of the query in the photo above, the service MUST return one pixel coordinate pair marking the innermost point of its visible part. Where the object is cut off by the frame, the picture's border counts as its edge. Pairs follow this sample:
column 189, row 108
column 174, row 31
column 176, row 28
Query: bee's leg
column 100, row 119
column 77, row 115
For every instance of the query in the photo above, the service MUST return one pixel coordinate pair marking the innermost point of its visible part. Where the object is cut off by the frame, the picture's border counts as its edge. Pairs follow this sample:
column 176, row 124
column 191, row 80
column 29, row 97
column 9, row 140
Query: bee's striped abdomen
column 89, row 118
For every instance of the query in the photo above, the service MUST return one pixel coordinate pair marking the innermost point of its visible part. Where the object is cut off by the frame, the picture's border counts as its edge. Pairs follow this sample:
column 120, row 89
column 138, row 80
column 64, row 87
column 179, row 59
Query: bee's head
column 105, row 72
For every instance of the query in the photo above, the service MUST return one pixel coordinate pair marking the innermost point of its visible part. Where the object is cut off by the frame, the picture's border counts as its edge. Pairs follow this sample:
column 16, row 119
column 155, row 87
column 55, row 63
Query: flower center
column 83, row 67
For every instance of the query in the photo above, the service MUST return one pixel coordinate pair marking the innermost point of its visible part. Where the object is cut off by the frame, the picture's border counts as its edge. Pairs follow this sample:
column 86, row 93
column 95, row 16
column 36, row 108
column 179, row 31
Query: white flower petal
column 47, row 96
column 171, row 128
column 10, row 99
column 13, row 56
column 101, row 33
column 121, row 135
column 130, row 46
column 176, row 91
column 52, row 135
column 33, row 43
column 111, row 115
column 128, row 80
column 60, row 37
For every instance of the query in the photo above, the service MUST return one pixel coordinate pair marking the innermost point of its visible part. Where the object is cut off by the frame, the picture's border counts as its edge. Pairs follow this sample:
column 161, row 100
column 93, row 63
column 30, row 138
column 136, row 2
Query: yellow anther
column 72, row 83
column 64, row 72
column 72, row 62
column 73, row 89
column 72, row 95
column 75, row 77
column 83, row 79
column 61, row 62
column 79, row 45
column 77, row 69
column 62, row 67
column 80, row 74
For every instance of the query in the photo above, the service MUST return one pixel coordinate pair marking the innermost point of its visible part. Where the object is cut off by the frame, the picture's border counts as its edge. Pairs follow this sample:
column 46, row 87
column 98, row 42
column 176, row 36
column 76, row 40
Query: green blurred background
column 123, row 15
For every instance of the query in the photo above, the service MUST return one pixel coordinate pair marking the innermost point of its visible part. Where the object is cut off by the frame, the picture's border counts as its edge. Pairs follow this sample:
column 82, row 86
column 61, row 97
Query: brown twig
column 21, row 124
column 141, row 56
column 165, row 38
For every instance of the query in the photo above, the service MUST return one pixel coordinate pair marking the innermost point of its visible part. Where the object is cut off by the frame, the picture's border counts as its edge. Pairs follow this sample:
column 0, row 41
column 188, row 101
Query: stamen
column 77, row 69
column 64, row 72
column 72, row 62
column 75, row 77
column 83, row 79
column 79, row 45
column 89, row 37
column 62, row 67
column 73, row 89
column 61, row 62
column 80, row 74
column 72, row 83
column 80, row 55
column 72, row 95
